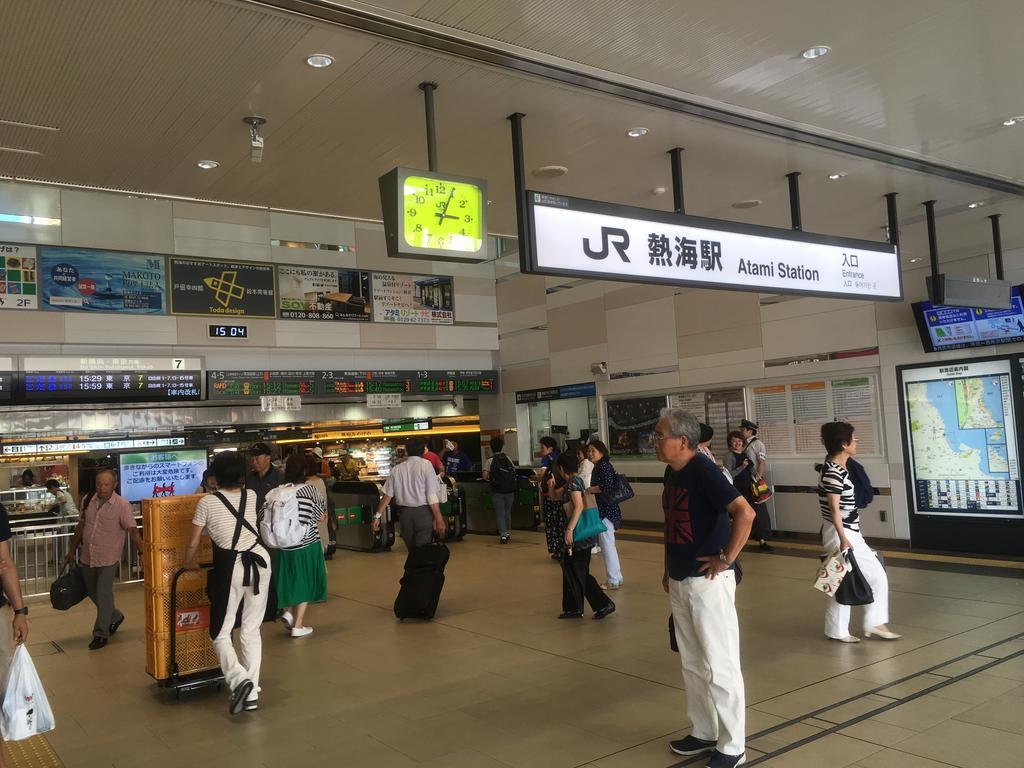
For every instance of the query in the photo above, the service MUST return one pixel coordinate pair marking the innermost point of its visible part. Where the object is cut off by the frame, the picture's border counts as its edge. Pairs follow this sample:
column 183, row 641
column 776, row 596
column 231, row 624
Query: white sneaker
column 301, row 631
column 288, row 619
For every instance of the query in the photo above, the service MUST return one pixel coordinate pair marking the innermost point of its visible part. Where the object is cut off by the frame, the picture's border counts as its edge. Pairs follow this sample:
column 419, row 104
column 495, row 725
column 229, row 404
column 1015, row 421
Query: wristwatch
column 724, row 559
column 377, row 516
column 23, row 610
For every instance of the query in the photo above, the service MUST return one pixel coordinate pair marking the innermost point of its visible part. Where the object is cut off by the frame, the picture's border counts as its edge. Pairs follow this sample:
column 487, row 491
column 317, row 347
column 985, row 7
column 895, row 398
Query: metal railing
column 39, row 550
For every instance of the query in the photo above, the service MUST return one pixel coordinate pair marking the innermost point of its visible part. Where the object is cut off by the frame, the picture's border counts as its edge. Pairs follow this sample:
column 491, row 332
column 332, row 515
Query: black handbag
column 623, row 491
column 69, row 588
column 854, row 588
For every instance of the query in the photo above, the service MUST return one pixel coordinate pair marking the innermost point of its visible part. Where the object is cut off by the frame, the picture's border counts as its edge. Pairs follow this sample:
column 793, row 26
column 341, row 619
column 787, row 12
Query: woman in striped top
column 300, row 570
column 842, row 531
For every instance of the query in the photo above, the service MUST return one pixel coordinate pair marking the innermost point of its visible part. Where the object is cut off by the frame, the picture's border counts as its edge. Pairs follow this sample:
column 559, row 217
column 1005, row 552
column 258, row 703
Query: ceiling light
column 914, row 261
column 658, row 191
column 550, row 171
column 837, row 175
column 636, row 133
column 976, row 204
column 319, row 60
column 816, row 52
column 207, row 165
column 1013, row 120
column 742, row 204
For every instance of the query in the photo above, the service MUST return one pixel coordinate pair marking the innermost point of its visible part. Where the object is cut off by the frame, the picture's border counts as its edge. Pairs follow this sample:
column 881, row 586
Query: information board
column 251, row 385
column 6, row 387
column 945, row 328
column 83, row 387
column 165, row 473
column 960, row 428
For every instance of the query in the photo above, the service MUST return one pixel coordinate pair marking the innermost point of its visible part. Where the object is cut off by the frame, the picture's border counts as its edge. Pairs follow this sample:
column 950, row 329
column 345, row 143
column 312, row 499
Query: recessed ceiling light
column 816, row 52
column 746, row 204
column 658, row 191
column 837, row 175
column 914, row 261
column 319, row 60
column 636, row 133
column 976, row 204
column 207, row 165
column 1013, row 120
column 550, row 171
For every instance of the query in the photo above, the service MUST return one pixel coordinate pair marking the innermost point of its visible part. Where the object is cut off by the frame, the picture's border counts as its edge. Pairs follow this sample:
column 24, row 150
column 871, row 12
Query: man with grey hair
column 701, row 547
column 101, row 531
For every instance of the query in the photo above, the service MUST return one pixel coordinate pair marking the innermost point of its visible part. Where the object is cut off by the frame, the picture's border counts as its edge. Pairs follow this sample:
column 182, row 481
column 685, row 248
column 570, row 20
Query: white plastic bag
column 26, row 711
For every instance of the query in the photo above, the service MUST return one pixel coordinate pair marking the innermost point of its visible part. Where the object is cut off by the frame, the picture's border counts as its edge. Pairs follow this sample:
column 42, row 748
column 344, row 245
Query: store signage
column 348, row 434
column 323, row 293
column 22, row 449
column 81, row 387
column 405, row 425
column 270, row 403
column 384, row 401
column 251, row 385
column 229, row 332
column 556, row 393
column 225, row 288
column 571, row 236
column 413, row 299
column 19, row 276
column 90, row 280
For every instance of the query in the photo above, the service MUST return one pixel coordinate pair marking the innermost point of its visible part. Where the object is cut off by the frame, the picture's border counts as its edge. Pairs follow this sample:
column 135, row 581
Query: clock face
column 447, row 215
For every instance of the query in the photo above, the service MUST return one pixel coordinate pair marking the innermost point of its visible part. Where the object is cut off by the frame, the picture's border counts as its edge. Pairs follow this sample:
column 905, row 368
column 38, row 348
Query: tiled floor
column 496, row 680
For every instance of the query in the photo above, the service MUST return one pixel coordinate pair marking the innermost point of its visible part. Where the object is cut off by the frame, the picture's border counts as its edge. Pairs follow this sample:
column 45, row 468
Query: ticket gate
column 526, row 510
column 454, row 513
column 355, row 502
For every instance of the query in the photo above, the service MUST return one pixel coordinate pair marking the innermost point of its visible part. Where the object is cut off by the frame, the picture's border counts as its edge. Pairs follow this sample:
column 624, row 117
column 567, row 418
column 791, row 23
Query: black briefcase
column 69, row 588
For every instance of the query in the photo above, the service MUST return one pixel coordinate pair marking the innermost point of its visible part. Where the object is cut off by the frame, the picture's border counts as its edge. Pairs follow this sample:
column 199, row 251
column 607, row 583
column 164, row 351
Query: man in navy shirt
column 701, row 545
column 455, row 460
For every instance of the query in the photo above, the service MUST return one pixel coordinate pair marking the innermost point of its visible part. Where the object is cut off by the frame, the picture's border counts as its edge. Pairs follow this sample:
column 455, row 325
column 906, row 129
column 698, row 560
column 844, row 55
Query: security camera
column 255, row 139
column 599, row 368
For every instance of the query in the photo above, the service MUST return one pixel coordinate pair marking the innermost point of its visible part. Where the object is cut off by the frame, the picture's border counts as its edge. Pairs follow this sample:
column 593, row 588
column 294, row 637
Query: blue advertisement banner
column 92, row 280
column 960, row 327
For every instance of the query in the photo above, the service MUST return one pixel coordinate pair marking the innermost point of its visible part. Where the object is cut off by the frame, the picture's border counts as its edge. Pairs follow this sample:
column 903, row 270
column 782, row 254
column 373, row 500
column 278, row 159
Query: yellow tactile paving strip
column 892, row 554
column 31, row 753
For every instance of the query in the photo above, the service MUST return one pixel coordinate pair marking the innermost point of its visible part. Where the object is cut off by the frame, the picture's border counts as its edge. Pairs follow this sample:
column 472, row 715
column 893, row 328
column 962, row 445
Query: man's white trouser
column 708, row 636
column 606, row 541
column 253, row 611
column 837, row 616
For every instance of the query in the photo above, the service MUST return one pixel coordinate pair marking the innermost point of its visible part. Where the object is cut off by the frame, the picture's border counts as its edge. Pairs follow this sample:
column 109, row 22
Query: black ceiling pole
column 677, row 179
column 428, row 89
column 519, row 174
column 997, row 245
column 894, row 221
column 794, row 199
column 933, row 246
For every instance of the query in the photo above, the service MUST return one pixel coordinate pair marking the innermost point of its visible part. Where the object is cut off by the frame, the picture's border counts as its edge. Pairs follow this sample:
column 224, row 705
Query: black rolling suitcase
column 422, row 582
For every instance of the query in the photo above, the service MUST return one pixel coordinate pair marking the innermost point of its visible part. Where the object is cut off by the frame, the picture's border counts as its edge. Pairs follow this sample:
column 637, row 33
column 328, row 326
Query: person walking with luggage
column 102, row 527
column 300, row 569
column 577, row 581
column 551, row 483
column 500, row 474
column 757, row 454
column 841, row 531
column 413, row 486
column 603, row 483
column 240, row 576
column 11, row 582
column 701, row 546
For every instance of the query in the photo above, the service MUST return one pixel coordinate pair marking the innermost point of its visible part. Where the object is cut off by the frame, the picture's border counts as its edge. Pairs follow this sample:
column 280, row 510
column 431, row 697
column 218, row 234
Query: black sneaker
column 116, row 625
column 691, row 745
column 238, row 697
column 571, row 615
column 718, row 760
column 97, row 643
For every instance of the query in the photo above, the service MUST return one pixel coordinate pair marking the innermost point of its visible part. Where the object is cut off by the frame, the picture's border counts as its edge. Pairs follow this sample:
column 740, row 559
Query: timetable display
column 6, row 384
column 252, row 385
column 39, row 387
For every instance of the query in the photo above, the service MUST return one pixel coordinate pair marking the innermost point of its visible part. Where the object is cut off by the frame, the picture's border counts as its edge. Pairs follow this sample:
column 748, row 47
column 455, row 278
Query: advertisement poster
column 413, row 299
column 323, row 293
column 19, row 278
column 222, row 288
column 90, row 280
column 631, row 423
column 165, row 473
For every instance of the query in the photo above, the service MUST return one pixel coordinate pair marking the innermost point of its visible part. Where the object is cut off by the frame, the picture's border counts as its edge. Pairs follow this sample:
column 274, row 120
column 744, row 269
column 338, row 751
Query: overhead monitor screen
column 163, row 473
column 944, row 328
column 79, row 387
column 961, row 436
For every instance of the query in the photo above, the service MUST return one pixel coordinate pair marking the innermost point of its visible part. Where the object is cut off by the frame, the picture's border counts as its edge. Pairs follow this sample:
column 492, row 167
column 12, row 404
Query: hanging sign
column 383, row 401
column 571, row 236
column 270, row 403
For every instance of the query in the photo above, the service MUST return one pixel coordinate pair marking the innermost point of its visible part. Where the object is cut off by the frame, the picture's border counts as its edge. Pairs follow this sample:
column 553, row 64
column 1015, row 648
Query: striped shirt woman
column 835, row 479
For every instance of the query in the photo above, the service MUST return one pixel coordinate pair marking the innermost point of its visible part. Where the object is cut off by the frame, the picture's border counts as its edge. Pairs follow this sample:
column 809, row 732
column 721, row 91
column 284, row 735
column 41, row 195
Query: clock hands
column 444, row 212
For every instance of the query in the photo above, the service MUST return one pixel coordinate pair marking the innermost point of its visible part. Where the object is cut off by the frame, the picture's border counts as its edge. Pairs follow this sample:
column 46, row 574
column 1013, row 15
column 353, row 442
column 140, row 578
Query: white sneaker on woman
column 288, row 620
column 301, row 631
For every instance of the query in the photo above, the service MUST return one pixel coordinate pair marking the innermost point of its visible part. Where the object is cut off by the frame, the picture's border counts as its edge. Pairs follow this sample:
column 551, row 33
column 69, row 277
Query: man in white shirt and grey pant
column 414, row 486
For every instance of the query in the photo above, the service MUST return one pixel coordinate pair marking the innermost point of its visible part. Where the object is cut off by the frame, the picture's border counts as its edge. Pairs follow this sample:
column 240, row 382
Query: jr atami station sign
column 572, row 236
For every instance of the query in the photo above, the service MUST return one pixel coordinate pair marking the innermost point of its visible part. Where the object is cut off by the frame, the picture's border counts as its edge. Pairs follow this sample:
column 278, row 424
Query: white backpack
column 280, row 524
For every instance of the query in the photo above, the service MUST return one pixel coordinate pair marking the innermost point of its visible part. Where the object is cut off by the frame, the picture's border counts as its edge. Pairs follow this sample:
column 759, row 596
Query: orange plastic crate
column 191, row 594
column 167, row 521
column 161, row 563
column 195, row 653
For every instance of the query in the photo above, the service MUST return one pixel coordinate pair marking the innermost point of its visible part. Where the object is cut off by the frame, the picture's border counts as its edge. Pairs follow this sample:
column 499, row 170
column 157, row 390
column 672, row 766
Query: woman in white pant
column 602, row 483
column 842, row 531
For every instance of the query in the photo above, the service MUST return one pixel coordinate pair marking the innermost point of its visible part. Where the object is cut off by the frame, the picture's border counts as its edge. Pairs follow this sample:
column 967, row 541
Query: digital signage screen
column 161, row 473
column 944, row 328
column 84, row 387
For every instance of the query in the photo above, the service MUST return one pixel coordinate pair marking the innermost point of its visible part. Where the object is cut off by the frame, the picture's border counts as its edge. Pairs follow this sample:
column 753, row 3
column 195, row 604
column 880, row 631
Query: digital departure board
column 6, row 384
column 251, row 385
column 83, row 387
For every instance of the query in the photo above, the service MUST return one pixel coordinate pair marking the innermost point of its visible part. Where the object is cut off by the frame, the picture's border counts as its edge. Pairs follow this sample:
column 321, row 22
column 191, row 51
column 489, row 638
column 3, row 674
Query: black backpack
column 502, row 474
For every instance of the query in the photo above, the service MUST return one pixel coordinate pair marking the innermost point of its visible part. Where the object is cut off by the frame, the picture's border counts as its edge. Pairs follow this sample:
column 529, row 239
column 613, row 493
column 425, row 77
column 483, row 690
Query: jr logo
column 610, row 236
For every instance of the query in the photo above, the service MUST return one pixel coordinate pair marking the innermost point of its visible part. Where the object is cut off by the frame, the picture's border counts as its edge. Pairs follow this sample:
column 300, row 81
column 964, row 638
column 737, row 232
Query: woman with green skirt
column 300, row 570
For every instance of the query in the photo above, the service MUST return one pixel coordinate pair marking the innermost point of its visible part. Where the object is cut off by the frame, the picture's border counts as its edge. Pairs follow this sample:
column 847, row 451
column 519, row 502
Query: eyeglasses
column 659, row 437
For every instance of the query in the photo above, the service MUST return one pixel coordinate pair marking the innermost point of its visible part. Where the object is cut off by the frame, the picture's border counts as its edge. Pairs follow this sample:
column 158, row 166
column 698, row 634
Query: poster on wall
column 165, row 473
column 631, row 424
column 90, row 280
column 961, row 436
column 222, row 288
column 19, row 276
column 323, row 293
column 413, row 299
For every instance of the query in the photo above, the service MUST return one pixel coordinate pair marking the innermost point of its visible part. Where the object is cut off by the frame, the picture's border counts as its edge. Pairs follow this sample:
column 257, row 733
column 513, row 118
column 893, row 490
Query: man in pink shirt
column 101, row 530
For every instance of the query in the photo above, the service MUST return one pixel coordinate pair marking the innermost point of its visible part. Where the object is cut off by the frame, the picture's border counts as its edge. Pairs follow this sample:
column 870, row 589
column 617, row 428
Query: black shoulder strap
column 239, row 517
